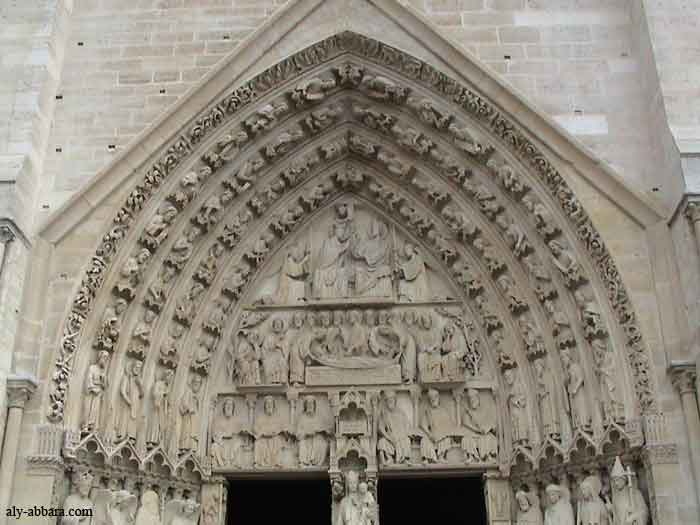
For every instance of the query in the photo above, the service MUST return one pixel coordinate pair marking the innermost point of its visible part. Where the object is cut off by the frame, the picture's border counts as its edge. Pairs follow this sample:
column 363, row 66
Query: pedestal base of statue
column 328, row 376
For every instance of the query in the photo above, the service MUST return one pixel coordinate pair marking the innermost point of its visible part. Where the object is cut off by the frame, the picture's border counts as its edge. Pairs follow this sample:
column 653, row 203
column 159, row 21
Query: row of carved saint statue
column 622, row 504
column 438, row 430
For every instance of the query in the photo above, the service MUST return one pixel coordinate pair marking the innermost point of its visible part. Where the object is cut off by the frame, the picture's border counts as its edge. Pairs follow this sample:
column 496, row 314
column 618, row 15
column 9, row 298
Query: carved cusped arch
column 191, row 263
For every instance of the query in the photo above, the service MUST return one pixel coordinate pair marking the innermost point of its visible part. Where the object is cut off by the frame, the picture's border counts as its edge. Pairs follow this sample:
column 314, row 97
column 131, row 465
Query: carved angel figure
column 184, row 194
column 111, row 325
column 379, row 88
column 183, row 248
column 95, row 386
column 265, row 119
column 182, row 512
column 284, row 142
column 156, row 295
column 565, row 261
column 463, row 139
column 428, row 112
column 321, row 118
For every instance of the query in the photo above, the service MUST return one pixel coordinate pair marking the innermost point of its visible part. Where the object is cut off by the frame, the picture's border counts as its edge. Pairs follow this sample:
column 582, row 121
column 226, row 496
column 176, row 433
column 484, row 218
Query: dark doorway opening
column 447, row 501
column 271, row 502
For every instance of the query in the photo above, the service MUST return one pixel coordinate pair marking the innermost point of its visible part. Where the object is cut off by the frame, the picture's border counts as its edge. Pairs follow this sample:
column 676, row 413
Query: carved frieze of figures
column 95, row 385
column 129, row 409
column 159, row 227
column 190, row 412
column 479, row 418
column 160, row 419
column 529, row 511
column 517, row 407
column 394, row 432
column 628, row 506
column 231, row 434
column 558, row 510
column 272, row 434
column 266, row 117
column 580, row 411
column 313, row 430
column 111, row 326
column 78, row 506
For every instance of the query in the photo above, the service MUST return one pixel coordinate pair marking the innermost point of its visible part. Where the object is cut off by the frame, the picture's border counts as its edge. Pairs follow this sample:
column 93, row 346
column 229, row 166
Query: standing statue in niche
column 159, row 422
column 190, row 406
column 269, row 439
column 78, row 506
column 393, row 431
column 628, row 506
column 333, row 272
column 312, row 434
column 295, row 342
column 580, row 415
column 612, row 405
column 373, row 276
column 275, row 355
column 95, row 386
column 413, row 275
column 438, row 428
column 517, row 406
column 149, row 512
column 294, row 275
column 591, row 508
column 547, row 400
column 129, row 409
column 529, row 511
column 559, row 510
column 480, row 442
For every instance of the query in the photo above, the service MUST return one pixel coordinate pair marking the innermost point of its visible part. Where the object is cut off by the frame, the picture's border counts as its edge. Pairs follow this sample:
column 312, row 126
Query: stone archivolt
column 171, row 298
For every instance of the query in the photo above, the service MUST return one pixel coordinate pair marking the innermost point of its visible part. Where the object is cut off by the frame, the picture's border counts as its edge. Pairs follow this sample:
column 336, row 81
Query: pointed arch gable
column 486, row 167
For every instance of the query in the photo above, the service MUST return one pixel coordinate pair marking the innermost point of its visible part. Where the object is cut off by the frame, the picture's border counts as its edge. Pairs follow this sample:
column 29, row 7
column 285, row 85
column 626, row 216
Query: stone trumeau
column 353, row 252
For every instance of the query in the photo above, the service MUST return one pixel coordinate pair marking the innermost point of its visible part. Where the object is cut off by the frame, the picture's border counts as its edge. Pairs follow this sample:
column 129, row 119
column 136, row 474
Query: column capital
column 684, row 377
column 19, row 390
column 7, row 234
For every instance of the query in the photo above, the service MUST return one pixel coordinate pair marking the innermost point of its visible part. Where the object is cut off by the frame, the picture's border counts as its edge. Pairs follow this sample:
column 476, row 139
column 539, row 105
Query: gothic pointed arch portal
column 351, row 261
